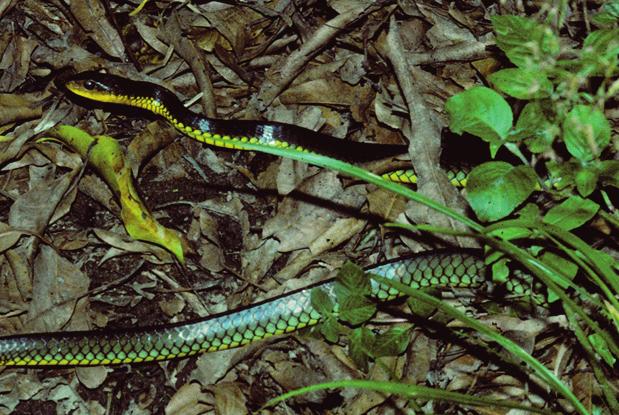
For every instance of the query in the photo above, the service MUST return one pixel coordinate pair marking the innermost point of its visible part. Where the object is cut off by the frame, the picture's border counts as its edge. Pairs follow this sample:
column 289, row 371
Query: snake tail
column 284, row 314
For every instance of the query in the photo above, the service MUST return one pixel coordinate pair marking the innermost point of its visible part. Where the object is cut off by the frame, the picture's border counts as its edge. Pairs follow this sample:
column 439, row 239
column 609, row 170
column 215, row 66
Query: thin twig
column 173, row 34
column 279, row 76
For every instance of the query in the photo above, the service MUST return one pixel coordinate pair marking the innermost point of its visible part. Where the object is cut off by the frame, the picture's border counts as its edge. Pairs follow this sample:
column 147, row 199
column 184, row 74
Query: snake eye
column 89, row 85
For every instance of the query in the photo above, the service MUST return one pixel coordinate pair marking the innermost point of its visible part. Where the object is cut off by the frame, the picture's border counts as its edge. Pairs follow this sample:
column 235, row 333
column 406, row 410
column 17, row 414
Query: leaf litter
column 259, row 225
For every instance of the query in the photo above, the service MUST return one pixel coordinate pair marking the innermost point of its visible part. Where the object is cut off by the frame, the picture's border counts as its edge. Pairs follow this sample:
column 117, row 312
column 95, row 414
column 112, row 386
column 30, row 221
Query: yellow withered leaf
column 108, row 157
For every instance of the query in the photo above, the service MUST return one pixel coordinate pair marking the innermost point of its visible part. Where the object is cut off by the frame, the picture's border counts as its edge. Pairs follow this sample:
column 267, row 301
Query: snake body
column 231, row 134
column 283, row 314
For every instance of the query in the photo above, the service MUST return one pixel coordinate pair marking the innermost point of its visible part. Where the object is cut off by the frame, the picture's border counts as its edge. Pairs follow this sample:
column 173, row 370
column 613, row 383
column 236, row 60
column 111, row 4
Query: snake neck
column 223, row 133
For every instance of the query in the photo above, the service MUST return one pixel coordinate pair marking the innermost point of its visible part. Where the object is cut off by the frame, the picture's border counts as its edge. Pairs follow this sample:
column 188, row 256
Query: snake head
column 102, row 87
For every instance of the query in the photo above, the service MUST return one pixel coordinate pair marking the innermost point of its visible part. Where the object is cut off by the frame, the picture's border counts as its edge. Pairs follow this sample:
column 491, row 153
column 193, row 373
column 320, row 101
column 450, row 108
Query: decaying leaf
column 92, row 17
column 108, row 157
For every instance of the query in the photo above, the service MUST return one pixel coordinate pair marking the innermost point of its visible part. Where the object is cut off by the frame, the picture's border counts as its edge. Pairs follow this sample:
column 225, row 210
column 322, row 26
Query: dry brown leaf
column 461, row 372
column 487, row 66
column 370, row 399
column 15, row 62
column 386, row 205
column 325, row 91
column 173, row 306
column 94, row 187
column 29, row 158
column 70, row 240
column 92, row 17
column 353, row 70
column 229, row 399
column 15, row 107
column 423, row 352
column 211, row 257
column 186, row 400
column 151, row 139
column 8, row 236
column 11, row 147
column 345, row 6
column 342, row 230
column 230, row 22
column 213, row 367
column 20, row 286
column 58, row 155
column 47, row 16
column 149, row 34
column 33, row 210
column 389, row 107
column 293, row 375
column 226, row 72
column 92, row 377
column 463, row 75
column 297, row 224
column 5, row 5
column 252, row 52
column 123, row 244
column 290, row 174
column 256, row 262
column 65, row 204
column 56, row 288
column 18, row 387
column 444, row 31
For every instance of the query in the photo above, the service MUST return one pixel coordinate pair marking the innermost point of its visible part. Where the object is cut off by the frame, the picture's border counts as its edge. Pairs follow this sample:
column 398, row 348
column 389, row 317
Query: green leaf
column 500, row 271
column 601, row 348
column 494, row 148
column 331, row 329
column 586, row 132
column 603, row 42
column 512, row 33
column 530, row 212
column 560, row 175
column 482, row 112
column 521, row 83
column 496, row 188
column 609, row 173
column 599, row 55
column 567, row 267
column 321, row 301
column 586, row 179
column 492, row 255
column 510, row 232
column 393, row 342
column 608, row 14
column 547, row 41
column 420, row 308
column 356, row 309
column 525, row 42
column 571, row 213
column 533, row 125
column 361, row 341
column 351, row 280
column 535, row 249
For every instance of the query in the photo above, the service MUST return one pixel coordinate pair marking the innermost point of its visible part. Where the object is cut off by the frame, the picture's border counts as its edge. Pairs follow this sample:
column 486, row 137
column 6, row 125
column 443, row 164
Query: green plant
column 561, row 124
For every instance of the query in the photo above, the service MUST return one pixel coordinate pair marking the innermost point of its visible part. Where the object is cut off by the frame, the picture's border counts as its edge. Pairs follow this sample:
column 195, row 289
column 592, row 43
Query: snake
column 233, row 134
column 276, row 316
